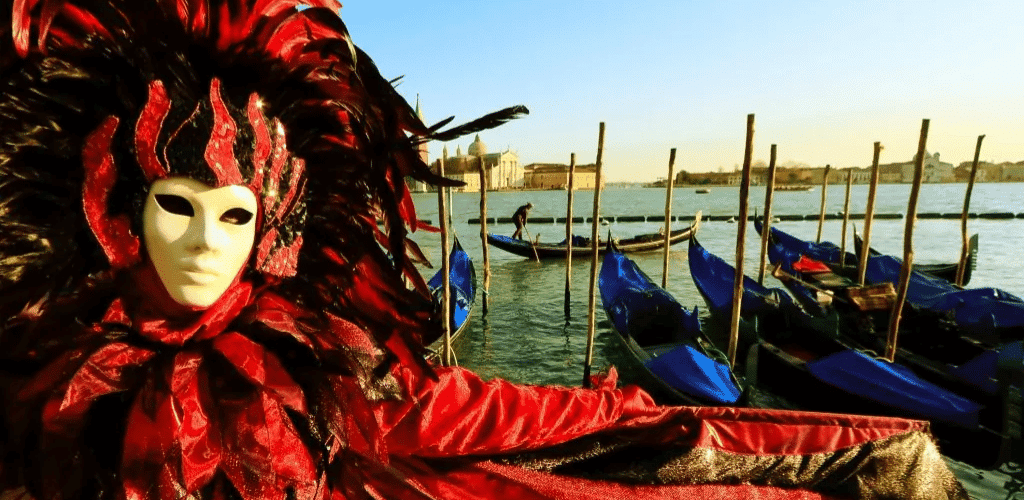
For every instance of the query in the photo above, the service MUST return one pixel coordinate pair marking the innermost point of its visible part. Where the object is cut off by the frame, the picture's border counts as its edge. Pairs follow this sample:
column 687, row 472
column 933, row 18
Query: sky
column 824, row 80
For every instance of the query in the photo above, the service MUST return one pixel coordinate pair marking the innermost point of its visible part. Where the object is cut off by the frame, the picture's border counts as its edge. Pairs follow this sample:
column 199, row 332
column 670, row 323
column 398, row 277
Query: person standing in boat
column 519, row 219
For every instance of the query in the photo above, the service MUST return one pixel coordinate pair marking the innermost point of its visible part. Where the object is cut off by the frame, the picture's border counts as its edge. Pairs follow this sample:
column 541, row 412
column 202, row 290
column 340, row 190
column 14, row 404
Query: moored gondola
column 989, row 315
column 676, row 359
column 945, row 271
column 462, row 282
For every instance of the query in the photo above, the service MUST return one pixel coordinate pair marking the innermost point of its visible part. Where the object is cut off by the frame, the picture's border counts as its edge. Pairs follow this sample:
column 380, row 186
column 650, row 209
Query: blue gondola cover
column 894, row 385
column 694, row 373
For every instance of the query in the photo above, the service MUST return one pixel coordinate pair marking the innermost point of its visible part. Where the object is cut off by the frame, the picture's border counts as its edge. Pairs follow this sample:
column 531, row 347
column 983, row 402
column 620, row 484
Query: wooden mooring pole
column 668, row 215
column 446, row 300
column 592, row 311
column 741, row 229
column 846, row 218
column 824, row 191
column 483, row 233
column 908, row 247
column 869, row 215
column 767, row 223
column 961, row 268
column 568, row 233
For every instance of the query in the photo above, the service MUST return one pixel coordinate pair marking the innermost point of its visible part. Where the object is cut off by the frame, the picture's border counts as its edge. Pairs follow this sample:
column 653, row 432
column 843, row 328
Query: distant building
column 1013, row 172
column 556, row 176
column 934, row 170
column 793, row 175
column 460, row 168
column 890, row 173
column 857, row 175
column 987, row 172
column 503, row 169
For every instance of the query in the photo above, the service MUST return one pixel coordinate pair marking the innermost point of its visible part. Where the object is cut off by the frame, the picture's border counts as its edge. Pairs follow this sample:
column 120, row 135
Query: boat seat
column 873, row 297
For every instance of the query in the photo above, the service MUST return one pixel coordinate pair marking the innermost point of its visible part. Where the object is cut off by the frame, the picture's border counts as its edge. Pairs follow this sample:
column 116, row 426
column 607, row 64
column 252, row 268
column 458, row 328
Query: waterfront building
column 503, row 169
column 934, row 170
column 890, row 173
column 987, row 172
column 556, row 176
column 1013, row 172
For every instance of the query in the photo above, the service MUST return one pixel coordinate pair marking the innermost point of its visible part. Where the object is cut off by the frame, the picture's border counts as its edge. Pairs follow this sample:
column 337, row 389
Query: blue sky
column 824, row 79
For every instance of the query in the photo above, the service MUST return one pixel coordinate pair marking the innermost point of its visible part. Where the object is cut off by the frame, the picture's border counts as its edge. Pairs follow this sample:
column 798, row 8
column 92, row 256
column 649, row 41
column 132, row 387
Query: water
column 526, row 338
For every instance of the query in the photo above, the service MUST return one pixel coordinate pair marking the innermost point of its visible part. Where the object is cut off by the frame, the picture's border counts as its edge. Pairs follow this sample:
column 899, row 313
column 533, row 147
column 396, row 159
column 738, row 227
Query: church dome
column 478, row 148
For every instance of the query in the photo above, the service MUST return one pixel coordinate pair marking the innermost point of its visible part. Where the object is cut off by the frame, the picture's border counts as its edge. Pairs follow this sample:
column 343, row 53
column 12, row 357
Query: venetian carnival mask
column 198, row 237
column 224, row 194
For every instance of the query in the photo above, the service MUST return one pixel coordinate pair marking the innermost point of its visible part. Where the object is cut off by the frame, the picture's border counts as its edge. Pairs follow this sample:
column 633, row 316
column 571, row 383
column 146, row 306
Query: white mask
column 198, row 237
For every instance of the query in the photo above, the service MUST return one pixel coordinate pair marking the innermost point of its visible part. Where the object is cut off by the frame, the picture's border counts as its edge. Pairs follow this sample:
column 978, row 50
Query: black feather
column 485, row 122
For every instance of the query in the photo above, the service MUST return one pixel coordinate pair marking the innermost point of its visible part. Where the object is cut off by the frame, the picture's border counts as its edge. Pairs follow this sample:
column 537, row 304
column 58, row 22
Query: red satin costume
column 306, row 379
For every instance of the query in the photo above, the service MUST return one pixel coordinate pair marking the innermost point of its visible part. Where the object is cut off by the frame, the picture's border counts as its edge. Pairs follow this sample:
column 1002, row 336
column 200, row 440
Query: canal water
column 526, row 337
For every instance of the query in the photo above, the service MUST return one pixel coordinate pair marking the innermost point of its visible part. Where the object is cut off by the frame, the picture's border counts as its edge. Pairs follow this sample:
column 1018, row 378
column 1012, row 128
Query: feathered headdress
column 100, row 97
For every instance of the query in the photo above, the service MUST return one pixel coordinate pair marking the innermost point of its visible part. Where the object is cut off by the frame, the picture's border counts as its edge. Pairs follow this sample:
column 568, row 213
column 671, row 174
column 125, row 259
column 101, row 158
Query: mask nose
column 205, row 235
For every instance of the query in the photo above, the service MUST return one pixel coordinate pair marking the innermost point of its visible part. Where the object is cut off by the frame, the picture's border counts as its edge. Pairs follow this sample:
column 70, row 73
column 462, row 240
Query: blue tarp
column 975, row 310
column 627, row 291
column 894, row 385
column 714, row 280
column 825, row 251
column 462, row 282
column 693, row 372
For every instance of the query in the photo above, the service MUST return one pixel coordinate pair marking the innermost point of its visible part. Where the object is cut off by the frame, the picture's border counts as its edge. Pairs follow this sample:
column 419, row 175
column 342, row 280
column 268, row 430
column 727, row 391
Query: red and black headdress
column 104, row 96
column 211, row 140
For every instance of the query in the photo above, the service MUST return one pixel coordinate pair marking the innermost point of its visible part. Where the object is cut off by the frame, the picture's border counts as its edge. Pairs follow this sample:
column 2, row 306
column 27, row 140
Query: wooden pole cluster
column 591, row 314
column 869, row 214
column 446, row 300
column 908, row 247
column 965, row 249
column 767, row 225
column 568, row 233
column 741, row 229
column 846, row 218
column 483, row 233
column 824, row 190
column 668, row 215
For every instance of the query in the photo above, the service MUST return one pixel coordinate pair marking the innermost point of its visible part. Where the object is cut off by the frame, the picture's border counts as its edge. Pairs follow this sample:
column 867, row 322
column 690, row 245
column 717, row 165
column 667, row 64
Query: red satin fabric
column 460, row 414
column 489, row 481
column 186, row 424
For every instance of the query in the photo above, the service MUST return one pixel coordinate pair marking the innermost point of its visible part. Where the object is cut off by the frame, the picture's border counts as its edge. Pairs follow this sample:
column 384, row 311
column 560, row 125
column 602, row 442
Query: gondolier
column 519, row 219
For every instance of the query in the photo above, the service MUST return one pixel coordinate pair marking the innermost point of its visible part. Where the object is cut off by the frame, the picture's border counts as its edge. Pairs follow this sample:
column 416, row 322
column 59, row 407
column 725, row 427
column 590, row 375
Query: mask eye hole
column 236, row 216
column 175, row 204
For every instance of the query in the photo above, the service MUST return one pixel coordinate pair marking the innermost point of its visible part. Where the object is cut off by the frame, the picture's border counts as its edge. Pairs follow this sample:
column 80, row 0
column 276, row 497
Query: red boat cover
column 810, row 266
column 613, row 443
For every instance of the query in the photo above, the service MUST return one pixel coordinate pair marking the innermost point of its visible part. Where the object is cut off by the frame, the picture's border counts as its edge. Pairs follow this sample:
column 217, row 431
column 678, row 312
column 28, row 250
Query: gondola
column 830, row 253
column 812, row 364
column 676, row 360
column 462, row 284
column 581, row 246
column 946, row 271
column 989, row 315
